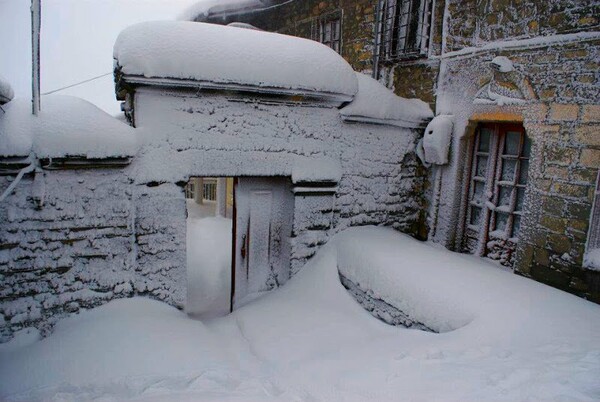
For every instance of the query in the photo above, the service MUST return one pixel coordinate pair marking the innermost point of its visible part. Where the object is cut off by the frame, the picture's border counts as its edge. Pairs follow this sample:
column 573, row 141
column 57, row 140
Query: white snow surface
column 374, row 103
column 66, row 126
column 208, row 7
column 316, row 170
column 507, row 338
column 6, row 91
column 230, row 55
column 208, row 266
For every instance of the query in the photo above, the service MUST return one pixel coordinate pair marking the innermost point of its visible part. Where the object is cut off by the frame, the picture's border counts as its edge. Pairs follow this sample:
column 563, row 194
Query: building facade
column 520, row 82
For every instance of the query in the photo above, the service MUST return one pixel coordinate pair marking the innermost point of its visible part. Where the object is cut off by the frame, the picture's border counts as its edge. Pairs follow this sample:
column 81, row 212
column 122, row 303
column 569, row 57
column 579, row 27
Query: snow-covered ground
column 505, row 338
column 208, row 261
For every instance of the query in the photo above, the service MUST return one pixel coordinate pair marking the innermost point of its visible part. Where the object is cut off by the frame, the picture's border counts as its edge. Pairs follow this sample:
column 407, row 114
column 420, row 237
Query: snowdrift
column 507, row 338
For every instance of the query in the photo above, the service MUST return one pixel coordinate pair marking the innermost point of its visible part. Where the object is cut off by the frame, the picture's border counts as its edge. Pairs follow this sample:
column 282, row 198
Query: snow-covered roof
column 66, row 126
column 206, row 8
column 6, row 91
column 374, row 103
column 229, row 57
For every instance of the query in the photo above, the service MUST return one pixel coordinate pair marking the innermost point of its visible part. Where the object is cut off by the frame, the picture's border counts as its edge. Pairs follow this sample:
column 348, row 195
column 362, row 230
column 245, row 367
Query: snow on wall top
column 374, row 103
column 6, row 91
column 205, row 8
column 66, row 126
column 232, row 56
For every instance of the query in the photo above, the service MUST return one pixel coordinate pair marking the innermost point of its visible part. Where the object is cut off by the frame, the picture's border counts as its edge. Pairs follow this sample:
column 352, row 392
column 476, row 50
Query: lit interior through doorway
column 209, row 245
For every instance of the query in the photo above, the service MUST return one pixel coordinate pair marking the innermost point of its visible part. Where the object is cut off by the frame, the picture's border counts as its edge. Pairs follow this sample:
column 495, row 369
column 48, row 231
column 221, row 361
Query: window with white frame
column 498, row 179
column 403, row 28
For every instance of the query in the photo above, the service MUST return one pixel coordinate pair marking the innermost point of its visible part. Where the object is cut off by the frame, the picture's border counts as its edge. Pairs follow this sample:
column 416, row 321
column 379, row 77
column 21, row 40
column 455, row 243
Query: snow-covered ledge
column 66, row 128
column 376, row 104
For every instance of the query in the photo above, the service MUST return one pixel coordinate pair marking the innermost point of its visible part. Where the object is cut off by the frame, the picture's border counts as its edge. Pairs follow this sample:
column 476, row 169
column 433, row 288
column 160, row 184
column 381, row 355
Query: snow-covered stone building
column 519, row 82
column 93, row 209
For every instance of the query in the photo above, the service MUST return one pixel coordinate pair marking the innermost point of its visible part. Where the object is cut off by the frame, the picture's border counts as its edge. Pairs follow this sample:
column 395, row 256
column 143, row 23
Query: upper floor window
column 403, row 27
column 330, row 33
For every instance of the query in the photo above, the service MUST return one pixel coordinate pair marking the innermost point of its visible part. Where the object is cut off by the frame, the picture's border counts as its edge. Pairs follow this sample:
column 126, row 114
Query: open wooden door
column 263, row 216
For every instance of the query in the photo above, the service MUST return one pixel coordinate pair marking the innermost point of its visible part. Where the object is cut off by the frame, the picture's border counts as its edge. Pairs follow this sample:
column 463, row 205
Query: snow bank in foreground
column 208, row 266
column 6, row 91
column 228, row 55
column 374, row 103
column 207, row 7
column 66, row 126
column 516, row 339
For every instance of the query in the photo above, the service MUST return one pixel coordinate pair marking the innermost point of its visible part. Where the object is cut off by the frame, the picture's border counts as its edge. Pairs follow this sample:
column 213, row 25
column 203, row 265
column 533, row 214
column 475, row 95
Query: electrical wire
column 76, row 84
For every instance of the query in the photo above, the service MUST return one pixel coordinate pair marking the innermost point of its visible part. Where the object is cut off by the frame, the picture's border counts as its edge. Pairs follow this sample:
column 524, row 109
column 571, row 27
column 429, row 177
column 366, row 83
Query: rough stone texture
column 381, row 309
column 75, row 252
column 109, row 233
column 219, row 135
column 301, row 18
column 563, row 168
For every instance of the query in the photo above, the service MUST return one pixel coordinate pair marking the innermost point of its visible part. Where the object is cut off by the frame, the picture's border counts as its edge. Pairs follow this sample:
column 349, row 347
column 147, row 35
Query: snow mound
column 6, row 91
column 374, row 103
column 66, row 126
column 205, row 8
column 231, row 56
column 513, row 340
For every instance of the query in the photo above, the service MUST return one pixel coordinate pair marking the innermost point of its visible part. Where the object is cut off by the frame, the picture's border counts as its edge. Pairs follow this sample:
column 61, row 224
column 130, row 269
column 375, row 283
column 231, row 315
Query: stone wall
column 74, row 252
column 561, row 116
column 299, row 18
column 108, row 233
column 198, row 134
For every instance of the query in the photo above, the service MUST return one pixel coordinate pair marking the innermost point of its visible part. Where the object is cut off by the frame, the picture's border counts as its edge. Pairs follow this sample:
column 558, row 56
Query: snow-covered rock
column 66, row 126
column 228, row 56
column 374, row 103
column 6, row 91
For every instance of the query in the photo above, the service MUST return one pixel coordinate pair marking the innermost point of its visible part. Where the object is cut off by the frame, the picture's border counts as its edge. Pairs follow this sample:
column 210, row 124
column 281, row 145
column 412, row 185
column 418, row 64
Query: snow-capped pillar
column 221, row 197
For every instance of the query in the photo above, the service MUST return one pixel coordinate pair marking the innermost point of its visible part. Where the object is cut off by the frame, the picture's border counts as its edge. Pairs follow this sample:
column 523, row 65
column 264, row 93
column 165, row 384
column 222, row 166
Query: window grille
column 189, row 190
column 403, row 29
column 330, row 33
column 210, row 189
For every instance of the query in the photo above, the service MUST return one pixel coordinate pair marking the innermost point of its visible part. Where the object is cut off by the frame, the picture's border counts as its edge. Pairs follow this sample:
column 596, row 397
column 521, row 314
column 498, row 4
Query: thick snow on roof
column 234, row 56
column 205, row 8
column 66, row 126
column 375, row 103
column 6, row 91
